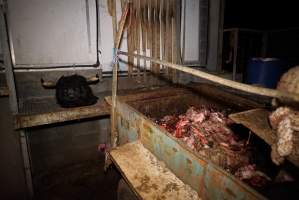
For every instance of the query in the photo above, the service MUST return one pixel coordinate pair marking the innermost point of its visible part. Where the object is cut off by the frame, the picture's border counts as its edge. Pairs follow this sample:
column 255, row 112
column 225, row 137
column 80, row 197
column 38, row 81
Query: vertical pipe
column 27, row 163
column 264, row 45
column 88, row 25
column 9, row 58
column 9, row 62
column 236, row 38
column 99, row 37
column 220, row 40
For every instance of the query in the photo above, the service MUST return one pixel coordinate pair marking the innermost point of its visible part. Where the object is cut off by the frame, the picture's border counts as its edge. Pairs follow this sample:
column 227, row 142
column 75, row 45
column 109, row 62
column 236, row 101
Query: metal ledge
column 101, row 108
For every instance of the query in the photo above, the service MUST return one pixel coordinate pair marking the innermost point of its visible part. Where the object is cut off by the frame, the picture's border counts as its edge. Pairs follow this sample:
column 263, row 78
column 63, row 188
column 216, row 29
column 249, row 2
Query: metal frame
column 9, row 62
column 236, row 32
column 8, row 55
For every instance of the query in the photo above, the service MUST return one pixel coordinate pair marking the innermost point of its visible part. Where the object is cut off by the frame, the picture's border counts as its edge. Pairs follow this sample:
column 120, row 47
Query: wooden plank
column 148, row 177
column 163, row 31
column 285, row 97
column 121, row 26
column 117, row 41
column 158, row 34
column 138, row 37
column 143, row 34
column 150, row 31
column 154, row 32
column 169, row 36
column 130, row 41
column 257, row 121
column 152, row 94
column 149, row 24
column 174, row 40
column 26, row 121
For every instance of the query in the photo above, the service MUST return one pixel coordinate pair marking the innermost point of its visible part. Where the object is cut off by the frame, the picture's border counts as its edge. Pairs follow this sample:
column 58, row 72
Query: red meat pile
column 205, row 129
column 202, row 128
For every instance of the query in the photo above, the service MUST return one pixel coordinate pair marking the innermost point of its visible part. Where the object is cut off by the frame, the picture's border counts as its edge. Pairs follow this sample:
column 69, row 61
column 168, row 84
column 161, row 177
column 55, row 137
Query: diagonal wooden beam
column 117, row 41
column 285, row 97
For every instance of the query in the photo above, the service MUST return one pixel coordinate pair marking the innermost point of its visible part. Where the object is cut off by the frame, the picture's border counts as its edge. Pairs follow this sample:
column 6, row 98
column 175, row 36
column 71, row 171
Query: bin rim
column 268, row 59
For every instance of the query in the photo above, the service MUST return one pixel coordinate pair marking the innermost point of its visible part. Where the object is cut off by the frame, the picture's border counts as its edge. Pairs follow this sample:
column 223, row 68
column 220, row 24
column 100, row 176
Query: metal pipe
column 54, row 66
column 242, row 29
column 9, row 62
column 236, row 40
column 27, row 163
column 264, row 45
column 55, row 69
column 8, row 56
column 88, row 25
column 283, row 96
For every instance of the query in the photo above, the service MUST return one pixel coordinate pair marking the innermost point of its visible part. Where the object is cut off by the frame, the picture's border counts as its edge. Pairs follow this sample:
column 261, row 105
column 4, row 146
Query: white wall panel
column 53, row 32
column 106, row 36
column 191, row 31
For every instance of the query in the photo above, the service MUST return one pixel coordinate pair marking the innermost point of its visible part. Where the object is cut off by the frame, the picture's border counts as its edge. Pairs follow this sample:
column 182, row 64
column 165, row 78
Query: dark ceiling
column 261, row 14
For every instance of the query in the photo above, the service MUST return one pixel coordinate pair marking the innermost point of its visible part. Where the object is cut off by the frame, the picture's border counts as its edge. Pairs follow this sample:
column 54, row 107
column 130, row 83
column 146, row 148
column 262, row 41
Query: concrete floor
column 84, row 181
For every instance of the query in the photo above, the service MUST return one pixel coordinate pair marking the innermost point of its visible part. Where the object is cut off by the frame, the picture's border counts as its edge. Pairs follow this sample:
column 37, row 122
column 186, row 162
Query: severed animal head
column 73, row 91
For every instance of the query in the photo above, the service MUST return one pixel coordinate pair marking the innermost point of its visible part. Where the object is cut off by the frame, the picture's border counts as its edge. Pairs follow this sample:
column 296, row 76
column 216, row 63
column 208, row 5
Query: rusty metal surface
column 257, row 121
column 101, row 108
column 225, row 95
column 149, row 94
column 149, row 178
column 209, row 180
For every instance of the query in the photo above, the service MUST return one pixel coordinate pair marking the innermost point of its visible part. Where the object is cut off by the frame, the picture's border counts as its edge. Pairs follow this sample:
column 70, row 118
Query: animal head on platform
column 73, row 91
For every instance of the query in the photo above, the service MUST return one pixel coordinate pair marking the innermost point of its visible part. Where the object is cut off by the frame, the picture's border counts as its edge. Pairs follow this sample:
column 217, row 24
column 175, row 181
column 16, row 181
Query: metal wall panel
column 194, row 31
column 53, row 32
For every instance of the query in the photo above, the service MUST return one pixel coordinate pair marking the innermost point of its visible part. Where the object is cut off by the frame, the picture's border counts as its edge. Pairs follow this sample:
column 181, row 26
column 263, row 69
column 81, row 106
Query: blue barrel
column 264, row 72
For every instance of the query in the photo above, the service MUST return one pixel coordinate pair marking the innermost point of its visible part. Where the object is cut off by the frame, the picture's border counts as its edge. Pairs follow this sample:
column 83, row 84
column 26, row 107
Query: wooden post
column 143, row 35
column 114, row 80
column 117, row 40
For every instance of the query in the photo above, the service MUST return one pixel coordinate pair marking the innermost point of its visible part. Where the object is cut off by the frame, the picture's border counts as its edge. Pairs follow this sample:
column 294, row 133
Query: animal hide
column 74, row 91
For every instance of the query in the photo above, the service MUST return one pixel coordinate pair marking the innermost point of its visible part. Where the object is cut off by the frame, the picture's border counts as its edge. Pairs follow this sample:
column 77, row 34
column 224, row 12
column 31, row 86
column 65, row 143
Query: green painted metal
column 209, row 180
